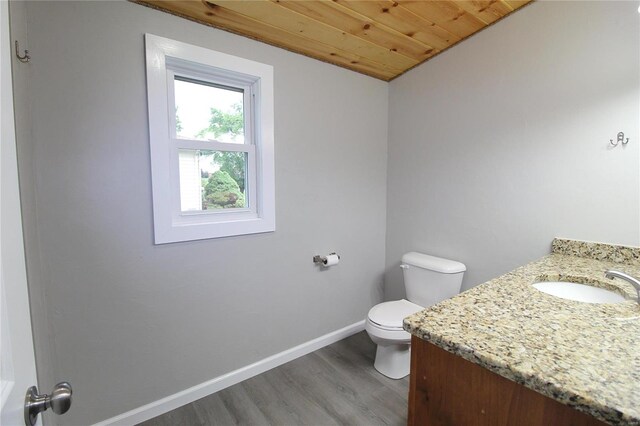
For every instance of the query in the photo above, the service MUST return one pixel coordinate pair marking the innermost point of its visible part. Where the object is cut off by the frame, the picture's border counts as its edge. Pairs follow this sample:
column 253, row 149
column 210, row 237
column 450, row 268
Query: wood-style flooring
column 335, row 385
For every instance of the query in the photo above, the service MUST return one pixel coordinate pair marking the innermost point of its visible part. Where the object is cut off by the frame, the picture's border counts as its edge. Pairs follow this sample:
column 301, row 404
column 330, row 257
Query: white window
column 211, row 135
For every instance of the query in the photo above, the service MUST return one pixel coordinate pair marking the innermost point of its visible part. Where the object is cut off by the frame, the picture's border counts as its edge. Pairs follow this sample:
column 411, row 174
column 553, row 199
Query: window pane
column 208, row 112
column 212, row 180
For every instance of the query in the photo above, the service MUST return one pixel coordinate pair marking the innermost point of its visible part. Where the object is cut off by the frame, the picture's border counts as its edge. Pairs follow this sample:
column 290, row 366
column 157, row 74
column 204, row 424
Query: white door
column 18, row 369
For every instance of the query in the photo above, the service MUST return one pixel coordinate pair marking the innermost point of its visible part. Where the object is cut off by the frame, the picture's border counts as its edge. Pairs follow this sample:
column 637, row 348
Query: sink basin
column 579, row 292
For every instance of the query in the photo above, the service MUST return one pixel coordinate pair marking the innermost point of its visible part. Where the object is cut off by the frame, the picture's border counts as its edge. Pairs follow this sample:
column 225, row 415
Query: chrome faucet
column 611, row 274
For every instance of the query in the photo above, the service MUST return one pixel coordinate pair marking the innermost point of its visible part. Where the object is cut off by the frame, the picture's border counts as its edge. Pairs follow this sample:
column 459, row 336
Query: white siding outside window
column 190, row 188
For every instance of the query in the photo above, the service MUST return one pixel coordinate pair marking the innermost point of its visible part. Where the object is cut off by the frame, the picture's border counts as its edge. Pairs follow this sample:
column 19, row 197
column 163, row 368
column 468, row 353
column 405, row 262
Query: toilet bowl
column 428, row 280
column 384, row 326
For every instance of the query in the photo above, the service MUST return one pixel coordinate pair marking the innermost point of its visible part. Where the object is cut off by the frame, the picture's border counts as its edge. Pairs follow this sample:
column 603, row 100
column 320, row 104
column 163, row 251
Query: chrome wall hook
column 24, row 58
column 619, row 138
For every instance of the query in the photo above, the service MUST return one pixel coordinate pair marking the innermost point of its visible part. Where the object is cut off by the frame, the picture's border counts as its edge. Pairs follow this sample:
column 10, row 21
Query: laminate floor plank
column 211, row 411
column 352, row 350
column 334, row 393
column 185, row 415
column 304, row 410
column 241, row 407
column 335, row 385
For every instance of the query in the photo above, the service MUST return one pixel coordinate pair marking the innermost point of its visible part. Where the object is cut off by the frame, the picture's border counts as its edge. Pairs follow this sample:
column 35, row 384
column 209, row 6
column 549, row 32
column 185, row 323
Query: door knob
column 59, row 401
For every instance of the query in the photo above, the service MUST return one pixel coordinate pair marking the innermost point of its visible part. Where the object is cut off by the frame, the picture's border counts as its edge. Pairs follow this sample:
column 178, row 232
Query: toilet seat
column 389, row 315
column 386, row 337
column 384, row 322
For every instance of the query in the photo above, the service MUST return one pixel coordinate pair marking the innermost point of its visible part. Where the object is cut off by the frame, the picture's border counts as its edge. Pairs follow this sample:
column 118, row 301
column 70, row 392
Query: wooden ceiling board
column 239, row 24
column 296, row 23
column 379, row 38
column 445, row 14
column 388, row 13
column 333, row 14
column 515, row 4
column 487, row 11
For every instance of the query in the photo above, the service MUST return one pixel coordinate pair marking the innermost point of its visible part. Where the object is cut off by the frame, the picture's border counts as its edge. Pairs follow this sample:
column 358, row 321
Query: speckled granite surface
column 583, row 355
column 597, row 251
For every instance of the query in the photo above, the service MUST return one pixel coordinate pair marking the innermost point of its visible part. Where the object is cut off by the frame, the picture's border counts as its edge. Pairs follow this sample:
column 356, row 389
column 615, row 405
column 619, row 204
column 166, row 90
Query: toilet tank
column 429, row 279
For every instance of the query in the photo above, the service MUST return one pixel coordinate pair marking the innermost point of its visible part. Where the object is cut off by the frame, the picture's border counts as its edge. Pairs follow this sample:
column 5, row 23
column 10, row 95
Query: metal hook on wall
column 619, row 138
column 24, row 58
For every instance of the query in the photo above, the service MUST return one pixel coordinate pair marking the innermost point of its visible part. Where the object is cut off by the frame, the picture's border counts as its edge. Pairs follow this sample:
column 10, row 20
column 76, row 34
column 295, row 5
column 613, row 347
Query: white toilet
column 427, row 281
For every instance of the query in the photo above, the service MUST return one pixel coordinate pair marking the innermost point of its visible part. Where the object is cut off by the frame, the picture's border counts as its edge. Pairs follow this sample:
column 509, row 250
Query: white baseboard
column 194, row 393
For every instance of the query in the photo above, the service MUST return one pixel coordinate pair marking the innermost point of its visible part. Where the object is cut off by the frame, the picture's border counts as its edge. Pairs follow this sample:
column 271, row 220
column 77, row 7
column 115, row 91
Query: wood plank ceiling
column 380, row 38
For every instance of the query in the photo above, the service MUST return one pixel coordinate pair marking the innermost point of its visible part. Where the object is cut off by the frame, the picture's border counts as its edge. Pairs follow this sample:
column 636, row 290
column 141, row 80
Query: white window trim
column 165, row 57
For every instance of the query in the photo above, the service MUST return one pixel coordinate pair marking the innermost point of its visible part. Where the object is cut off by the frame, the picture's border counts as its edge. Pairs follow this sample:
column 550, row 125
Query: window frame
column 167, row 58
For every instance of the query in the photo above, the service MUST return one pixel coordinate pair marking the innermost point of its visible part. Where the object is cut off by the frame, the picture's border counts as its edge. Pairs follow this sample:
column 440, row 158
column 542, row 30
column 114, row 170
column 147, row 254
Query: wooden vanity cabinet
column 446, row 389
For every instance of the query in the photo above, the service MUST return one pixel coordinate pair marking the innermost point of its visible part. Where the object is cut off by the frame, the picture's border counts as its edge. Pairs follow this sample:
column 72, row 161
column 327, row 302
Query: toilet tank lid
column 432, row 263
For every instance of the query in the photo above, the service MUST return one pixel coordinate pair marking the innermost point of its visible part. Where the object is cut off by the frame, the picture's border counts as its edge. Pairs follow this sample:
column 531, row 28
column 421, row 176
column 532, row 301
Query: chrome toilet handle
column 403, row 266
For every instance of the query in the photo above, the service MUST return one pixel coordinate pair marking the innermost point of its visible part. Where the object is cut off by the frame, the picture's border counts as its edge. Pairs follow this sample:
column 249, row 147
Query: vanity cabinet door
column 446, row 389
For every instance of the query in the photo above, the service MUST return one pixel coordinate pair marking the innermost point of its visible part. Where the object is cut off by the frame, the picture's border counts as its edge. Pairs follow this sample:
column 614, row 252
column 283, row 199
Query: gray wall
column 128, row 322
column 502, row 143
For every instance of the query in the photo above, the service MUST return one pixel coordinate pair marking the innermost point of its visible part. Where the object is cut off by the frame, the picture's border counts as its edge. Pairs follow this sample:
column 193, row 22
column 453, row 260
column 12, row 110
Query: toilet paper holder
column 323, row 259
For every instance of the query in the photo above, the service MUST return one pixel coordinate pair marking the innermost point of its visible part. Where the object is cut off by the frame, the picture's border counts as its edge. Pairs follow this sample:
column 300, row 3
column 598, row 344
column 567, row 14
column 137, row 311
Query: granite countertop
column 584, row 355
